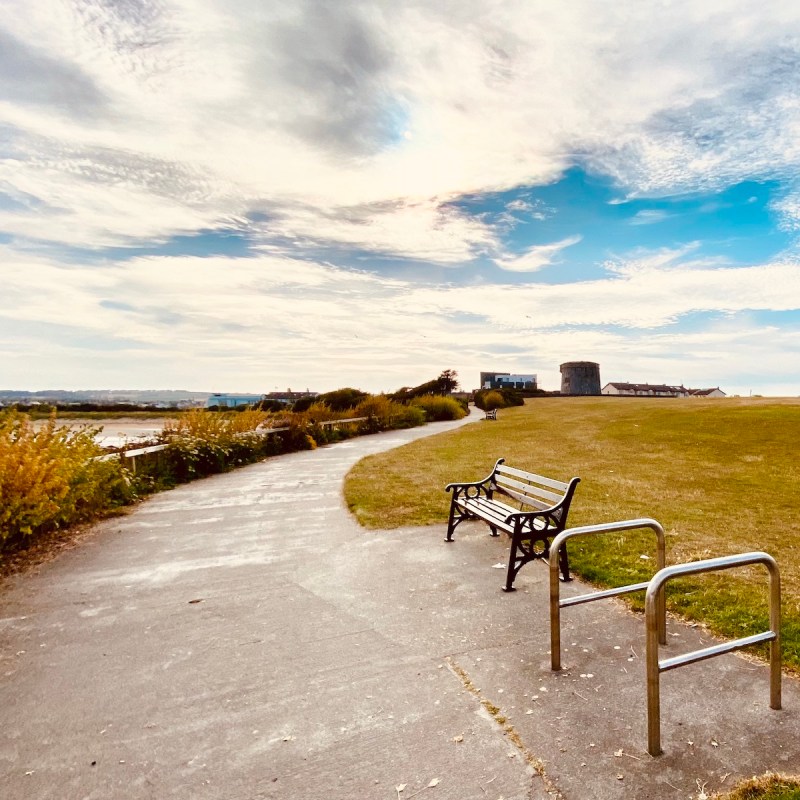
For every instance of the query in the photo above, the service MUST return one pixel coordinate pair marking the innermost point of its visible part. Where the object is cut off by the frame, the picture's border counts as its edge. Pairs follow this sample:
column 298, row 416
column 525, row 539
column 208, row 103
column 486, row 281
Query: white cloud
column 536, row 257
column 649, row 217
column 788, row 210
column 301, row 106
column 424, row 230
column 646, row 298
column 203, row 323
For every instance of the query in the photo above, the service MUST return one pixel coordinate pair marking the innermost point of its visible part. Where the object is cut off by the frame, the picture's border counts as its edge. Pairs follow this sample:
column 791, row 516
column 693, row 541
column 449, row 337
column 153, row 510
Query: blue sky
column 247, row 195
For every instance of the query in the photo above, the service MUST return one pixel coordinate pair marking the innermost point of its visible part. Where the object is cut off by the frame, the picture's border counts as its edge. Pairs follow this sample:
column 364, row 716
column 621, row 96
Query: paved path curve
column 242, row 638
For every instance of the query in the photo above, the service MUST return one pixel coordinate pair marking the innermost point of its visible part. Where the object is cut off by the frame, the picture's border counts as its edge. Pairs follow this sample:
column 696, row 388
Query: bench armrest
column 472, row 490
column 485, row 483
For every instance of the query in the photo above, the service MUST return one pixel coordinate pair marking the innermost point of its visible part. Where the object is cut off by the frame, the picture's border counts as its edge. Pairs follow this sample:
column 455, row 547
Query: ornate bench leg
column 456, row 515
column 563, row 564
column 451, row 522
column 493, row 530
column 514, row 563
column 512, row 572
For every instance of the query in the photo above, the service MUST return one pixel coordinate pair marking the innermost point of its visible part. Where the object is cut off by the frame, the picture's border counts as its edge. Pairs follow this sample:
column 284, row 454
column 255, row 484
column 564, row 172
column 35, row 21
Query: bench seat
column 540, row 513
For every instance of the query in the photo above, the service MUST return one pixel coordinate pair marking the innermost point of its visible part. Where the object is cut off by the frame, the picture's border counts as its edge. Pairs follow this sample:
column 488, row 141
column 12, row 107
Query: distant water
column 120, row 432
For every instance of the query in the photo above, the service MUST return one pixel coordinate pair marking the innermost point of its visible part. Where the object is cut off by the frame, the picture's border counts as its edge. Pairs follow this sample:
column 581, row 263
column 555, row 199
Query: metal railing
column 556, row 603
column 654, row 604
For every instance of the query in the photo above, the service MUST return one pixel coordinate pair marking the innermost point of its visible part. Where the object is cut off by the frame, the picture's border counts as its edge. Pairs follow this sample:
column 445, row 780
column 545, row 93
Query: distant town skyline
column 247, row 195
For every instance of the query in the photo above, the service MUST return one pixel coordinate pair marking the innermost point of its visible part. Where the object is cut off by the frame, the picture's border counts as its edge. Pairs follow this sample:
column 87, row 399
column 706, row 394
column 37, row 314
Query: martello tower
column 580, row 377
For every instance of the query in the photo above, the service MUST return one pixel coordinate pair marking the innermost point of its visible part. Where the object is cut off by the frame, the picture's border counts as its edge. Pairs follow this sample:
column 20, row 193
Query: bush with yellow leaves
column 50, row 477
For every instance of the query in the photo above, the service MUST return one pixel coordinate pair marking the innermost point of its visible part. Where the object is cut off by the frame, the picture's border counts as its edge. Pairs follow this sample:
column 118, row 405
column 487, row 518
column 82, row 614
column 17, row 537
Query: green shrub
column 489, row 399
column 408, row 417
column 337, row 400
column 437, row 407
column 200, row 443
column 384, row 414
column 512, row 397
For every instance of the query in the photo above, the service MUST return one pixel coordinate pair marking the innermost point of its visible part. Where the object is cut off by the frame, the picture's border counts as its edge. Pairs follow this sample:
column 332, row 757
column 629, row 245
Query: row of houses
column 658, row 390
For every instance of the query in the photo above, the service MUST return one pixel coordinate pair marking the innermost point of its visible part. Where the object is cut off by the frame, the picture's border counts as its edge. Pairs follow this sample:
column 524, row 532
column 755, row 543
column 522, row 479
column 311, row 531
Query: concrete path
column 242, row 638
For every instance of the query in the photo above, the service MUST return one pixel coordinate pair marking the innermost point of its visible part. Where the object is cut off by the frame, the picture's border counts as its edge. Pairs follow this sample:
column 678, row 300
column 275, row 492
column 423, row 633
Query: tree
column 448, row 381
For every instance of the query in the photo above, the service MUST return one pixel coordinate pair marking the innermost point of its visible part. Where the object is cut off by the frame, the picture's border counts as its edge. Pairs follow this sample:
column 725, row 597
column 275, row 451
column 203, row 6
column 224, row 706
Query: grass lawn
column 722, row 477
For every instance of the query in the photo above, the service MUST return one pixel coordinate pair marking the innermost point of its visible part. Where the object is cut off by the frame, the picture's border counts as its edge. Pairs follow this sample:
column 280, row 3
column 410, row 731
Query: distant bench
column 491, row 414
column 542, row 513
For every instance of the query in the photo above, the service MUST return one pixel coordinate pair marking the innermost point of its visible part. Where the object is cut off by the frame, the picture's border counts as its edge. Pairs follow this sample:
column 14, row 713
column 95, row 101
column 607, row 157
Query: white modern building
column 506, row 380
column 233, row 400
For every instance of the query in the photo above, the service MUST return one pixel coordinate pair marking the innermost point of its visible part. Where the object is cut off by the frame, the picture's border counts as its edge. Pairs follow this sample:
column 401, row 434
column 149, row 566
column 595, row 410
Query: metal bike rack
column 556, row 603
column 654, row 604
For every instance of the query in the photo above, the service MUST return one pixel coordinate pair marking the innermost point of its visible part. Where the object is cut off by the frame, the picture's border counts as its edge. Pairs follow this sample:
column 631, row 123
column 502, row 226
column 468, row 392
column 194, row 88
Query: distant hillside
column 159, row 397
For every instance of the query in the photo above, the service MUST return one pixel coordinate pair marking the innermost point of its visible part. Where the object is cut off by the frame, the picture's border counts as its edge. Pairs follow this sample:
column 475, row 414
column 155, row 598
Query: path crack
column 508, row 729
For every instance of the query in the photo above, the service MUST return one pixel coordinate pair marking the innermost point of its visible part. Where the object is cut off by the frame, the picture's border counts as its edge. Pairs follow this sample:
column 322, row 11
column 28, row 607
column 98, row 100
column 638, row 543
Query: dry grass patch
column 765, row 787
column 720, row 475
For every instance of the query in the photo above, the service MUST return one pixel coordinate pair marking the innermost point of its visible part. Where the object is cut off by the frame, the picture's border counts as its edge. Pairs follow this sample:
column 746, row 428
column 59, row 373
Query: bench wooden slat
column 480, row 502
column 518, row 473
column 530, row 526
column 484, row 505
column 528, row 489
column 488, row 513
column 505, row 506
column 496, row 513
column 539, row 505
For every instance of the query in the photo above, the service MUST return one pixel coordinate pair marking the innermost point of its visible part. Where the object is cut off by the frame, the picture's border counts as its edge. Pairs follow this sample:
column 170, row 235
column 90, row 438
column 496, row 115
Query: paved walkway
column 242, row 638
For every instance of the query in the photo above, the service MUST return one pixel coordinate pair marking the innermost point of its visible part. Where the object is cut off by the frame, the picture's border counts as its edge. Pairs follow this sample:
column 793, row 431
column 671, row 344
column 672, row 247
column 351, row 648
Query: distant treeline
column 343, row 399
column 66, row 408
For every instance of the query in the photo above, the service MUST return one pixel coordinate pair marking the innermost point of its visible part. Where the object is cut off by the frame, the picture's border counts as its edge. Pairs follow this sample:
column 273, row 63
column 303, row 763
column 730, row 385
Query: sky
column 251, row 195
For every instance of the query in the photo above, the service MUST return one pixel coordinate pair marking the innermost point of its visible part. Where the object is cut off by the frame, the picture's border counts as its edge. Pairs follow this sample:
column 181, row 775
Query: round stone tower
column 580, row 377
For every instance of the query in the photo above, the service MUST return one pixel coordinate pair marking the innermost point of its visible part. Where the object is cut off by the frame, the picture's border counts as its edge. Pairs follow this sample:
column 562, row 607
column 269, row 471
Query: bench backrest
column 533, row 490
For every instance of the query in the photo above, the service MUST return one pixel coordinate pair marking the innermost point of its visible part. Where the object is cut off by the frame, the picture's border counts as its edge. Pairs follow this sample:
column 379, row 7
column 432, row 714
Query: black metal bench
column 541, row 515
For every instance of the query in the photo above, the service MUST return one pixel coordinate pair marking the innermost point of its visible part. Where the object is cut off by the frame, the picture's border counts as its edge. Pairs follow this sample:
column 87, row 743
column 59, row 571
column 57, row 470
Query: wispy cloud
column 425, row 230
column 788, row 210
column 536, row 257
column 649, row 217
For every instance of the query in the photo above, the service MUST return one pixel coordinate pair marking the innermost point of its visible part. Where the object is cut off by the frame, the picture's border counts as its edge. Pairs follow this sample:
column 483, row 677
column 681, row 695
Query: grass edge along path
column 764, row 787
column 721, row 476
